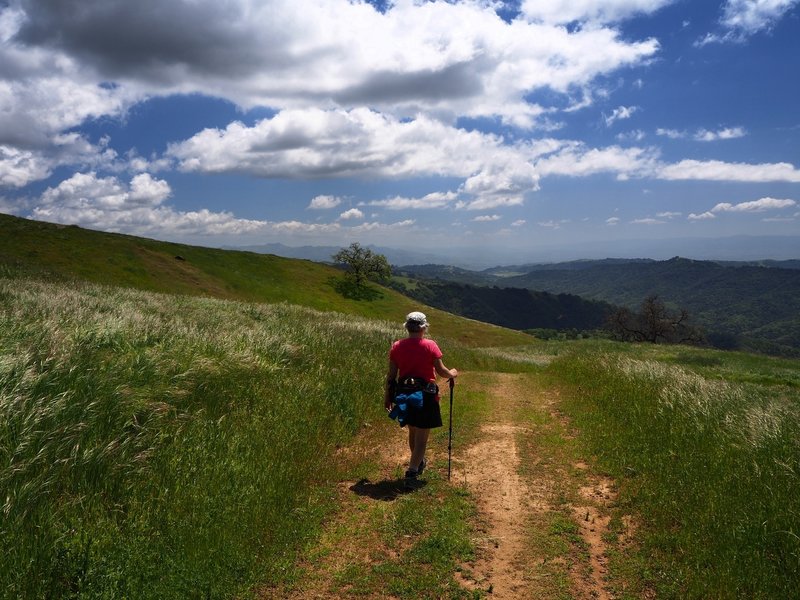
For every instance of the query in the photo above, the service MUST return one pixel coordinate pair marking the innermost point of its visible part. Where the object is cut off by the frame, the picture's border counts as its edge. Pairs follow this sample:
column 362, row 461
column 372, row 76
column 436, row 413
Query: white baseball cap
column 416, row 319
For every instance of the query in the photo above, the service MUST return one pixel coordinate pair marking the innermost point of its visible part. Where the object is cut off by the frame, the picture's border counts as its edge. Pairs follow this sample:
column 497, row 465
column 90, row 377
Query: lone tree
column 363, row 264
column 655, row 323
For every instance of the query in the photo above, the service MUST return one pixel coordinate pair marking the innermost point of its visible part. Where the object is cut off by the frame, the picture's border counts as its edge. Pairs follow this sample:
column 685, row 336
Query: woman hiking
column 418, row 358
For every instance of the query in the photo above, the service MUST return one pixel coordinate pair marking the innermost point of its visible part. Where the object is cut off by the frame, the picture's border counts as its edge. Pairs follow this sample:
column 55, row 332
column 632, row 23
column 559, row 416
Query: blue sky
column 484, row 124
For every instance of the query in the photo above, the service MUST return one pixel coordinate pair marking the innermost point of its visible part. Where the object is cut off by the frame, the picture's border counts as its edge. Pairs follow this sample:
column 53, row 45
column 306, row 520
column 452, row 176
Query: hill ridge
column 58, row 252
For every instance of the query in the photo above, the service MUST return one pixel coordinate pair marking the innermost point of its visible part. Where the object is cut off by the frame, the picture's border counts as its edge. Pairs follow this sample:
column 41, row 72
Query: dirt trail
column 542, row 513
column 511, row 506
column 503, row 500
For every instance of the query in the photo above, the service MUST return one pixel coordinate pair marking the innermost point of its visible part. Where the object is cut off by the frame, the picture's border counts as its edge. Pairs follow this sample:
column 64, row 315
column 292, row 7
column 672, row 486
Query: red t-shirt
column 415, row 357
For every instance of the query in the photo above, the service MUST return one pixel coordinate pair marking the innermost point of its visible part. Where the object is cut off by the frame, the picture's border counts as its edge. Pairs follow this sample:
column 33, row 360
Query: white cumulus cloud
column 575, row 159
column 715, row 170
column 353, row 213
column 701, row 216
column 753, row 206
column 750, row 16
column 429, row 201
column 110, row 204
column 20, row 167
column 704, row 135
column 323, row 202
column 619, row 114
column 588, row 11
column 672, row 134
column 759, row 205
column 637, row 135
column 459, row 58
column 729, row 133
column 88, row 192
column 314, row 143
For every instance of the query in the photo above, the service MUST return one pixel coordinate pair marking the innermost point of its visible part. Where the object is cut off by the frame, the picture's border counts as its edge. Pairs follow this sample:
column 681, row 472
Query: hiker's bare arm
column 443, row 371
column 391, row 377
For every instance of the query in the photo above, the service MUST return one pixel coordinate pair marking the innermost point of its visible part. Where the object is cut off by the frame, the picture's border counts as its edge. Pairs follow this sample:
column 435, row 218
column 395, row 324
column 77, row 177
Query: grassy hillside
column 173, row 445
column 61, row 253
column 165, row 446
column 704, row 446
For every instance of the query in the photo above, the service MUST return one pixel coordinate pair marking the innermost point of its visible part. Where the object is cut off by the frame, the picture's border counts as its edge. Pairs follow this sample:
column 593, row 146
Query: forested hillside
column 742, row 306
column 515, row 308
column 751, row 302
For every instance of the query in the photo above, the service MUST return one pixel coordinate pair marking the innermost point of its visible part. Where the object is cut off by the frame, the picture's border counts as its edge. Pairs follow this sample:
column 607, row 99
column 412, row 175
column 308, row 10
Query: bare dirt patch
column 517, row 511
column 593, row 520
column 503, row 501
column 491, row 471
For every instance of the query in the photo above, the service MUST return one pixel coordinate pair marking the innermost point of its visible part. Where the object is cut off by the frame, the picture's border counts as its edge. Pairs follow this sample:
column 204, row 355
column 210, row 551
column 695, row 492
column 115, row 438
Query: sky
column 418, row 124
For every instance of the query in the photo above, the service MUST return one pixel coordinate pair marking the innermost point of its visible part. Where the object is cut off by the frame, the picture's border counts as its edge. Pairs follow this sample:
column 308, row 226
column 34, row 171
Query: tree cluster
column 655, row 323
column 362, row 264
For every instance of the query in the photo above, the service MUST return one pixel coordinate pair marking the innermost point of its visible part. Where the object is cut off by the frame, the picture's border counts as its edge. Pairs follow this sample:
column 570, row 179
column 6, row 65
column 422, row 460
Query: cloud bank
column 452, row 58
column 352, row 92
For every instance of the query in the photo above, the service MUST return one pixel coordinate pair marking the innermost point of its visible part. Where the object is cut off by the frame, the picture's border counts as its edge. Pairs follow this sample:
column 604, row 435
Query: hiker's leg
column 411, row 437
column 419, row 444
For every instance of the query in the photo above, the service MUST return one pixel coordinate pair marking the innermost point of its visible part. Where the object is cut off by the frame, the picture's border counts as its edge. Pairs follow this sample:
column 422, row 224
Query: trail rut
column 512, row 506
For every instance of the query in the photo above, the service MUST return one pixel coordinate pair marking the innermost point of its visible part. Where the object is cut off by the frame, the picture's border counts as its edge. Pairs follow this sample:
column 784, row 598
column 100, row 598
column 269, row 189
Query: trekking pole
column 450, row 435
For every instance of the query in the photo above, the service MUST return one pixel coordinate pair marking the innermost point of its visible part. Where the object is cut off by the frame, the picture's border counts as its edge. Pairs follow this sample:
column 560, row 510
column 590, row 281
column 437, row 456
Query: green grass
column 436, row 518
column 409, row 547
column 69, row 253
column 173, row 433
column 158, row 445
column 706, row 454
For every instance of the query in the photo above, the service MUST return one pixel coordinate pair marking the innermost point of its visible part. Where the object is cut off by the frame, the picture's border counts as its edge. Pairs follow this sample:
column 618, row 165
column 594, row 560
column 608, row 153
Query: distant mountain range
column 324, row 253
column 478, row 257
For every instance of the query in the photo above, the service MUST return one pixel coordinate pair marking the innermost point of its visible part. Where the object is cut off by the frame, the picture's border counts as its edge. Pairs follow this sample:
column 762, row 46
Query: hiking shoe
column 410, row 482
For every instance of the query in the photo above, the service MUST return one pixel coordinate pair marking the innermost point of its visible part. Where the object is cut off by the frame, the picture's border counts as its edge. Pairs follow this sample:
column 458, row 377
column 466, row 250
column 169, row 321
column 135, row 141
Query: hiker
column 420, row 358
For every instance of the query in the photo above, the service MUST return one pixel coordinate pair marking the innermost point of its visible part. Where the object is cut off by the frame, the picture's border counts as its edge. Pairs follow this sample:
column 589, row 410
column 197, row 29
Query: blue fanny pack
column 410, row 393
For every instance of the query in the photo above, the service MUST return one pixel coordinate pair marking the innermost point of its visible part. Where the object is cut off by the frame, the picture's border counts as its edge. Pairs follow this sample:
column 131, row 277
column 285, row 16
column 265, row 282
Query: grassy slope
column 68, row 252
column 618, row 389
column 704, row 447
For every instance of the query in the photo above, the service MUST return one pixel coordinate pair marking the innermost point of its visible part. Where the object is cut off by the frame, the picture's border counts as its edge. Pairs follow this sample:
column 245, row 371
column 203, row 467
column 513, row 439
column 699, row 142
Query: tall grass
column 712, row 468
column 157, row 446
